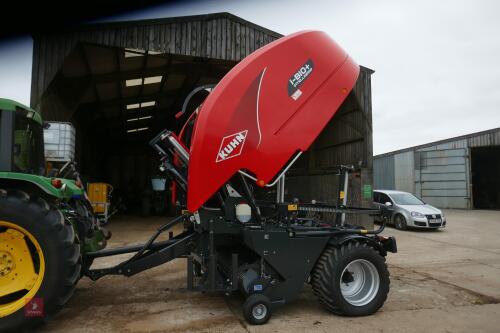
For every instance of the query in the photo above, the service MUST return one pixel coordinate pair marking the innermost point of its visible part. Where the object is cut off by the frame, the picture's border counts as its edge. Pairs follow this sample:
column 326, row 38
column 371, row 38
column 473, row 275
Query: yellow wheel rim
column 22, row 267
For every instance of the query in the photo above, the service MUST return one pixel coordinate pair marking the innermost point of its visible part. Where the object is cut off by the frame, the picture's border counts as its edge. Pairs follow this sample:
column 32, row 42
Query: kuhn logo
column 231, row 146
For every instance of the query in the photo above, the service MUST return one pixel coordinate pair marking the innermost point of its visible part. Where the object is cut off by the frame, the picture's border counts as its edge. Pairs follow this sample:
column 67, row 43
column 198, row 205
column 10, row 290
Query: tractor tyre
column 352, row 280
column 39, row 261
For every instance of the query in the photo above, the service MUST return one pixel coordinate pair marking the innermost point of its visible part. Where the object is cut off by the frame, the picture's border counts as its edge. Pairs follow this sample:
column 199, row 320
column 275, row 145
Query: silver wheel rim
column 359, row 282
column 259, row 311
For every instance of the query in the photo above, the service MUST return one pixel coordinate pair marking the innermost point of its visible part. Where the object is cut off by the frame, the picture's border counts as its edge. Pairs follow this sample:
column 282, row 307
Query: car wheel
column 400, row 222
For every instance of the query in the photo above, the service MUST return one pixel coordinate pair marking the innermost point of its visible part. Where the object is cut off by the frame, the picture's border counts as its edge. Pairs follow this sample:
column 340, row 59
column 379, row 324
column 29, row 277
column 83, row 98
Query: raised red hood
column 274, row 103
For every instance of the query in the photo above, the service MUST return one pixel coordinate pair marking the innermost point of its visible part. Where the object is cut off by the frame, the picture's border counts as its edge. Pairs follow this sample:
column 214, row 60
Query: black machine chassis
column 272, row 255
column 284, row 255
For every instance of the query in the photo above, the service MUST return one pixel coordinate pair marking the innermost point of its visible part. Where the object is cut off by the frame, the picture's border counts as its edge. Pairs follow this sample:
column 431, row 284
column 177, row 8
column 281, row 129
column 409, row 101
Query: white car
column 406, row 210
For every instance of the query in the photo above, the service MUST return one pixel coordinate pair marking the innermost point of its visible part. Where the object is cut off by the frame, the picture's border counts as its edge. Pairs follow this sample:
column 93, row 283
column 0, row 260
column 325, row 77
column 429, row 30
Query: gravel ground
column 441, row 281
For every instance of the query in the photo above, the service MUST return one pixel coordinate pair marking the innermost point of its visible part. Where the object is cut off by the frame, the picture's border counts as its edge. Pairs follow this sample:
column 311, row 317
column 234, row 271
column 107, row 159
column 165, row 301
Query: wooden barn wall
column 347, row 139
column 213, row 37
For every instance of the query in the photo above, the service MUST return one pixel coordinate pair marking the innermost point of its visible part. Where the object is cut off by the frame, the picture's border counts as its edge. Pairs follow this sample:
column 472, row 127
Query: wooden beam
column 159, row 96
column 85, row 59
column 182, row 68
column 190, row 83
column 119, row 84
column 165, row 120
column 164, row 77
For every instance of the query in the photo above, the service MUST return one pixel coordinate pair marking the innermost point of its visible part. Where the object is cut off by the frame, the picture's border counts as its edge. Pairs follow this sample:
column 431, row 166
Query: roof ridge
column 164, row 20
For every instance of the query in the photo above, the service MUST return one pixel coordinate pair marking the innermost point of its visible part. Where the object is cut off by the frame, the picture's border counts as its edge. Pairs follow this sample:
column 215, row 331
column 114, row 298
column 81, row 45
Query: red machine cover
column 272, row 104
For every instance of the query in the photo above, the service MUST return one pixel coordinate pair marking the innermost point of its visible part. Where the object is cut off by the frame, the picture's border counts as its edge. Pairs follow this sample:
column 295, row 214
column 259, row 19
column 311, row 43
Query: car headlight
column 417, row 214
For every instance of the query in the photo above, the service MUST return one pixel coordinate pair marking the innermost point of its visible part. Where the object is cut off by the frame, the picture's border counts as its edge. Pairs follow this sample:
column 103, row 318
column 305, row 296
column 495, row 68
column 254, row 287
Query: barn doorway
column 485, row 169
column 122, row 98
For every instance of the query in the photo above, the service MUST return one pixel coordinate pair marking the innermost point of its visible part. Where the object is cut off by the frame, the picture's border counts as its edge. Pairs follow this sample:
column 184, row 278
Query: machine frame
column 280, row 251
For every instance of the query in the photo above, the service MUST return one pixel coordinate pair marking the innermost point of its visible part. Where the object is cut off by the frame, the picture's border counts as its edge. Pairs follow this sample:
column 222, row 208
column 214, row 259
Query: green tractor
column 46, row 225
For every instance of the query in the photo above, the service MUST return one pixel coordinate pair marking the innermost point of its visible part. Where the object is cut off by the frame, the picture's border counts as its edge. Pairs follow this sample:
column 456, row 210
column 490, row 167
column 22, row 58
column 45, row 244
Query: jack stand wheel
column 257, row 309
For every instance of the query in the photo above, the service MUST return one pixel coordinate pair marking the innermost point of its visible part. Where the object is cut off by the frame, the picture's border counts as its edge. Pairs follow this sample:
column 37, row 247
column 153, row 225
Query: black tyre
column 400, row 222
column 43, row 248
column 352, row 280
column 257, row 309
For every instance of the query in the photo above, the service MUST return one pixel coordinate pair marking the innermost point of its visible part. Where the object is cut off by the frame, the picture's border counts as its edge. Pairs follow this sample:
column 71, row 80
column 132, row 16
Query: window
column 131, row 53
column 152, row 79
column 143, row 80
column 141, row 105
column 133, row 106
column 139, row 118
column 27, row 151
column 148, row 104
column 137, row 130
column 133, row 82
column 384, row 198
column 406, row 199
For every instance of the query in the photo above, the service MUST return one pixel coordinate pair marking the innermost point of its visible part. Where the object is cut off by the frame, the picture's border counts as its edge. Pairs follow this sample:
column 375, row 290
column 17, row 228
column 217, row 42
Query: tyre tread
column 323, row 274
column 61, row 232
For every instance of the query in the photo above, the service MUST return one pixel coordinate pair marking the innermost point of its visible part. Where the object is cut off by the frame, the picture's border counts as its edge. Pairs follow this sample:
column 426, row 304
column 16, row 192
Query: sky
column 437, row 71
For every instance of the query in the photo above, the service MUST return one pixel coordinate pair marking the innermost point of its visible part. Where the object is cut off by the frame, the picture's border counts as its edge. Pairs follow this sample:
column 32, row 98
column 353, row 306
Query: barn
column 121, row 83
column 461, row 172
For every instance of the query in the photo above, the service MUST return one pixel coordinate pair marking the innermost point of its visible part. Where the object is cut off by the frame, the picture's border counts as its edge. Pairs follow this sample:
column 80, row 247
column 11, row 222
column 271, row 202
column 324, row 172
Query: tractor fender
column 40, row 185
column 338, row 241
column 28, row 187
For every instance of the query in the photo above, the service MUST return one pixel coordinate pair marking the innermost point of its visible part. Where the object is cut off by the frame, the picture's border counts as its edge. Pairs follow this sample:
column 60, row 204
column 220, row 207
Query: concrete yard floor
column 441, row 281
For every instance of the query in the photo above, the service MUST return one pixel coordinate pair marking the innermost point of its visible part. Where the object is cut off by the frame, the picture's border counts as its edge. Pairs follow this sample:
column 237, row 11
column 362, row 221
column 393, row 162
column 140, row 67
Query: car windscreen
column 406, row 199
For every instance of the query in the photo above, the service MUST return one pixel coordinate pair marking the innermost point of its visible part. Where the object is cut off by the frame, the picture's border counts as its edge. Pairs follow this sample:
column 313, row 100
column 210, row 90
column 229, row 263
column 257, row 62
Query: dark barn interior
column 121, row 83
column 485, row 167
column 131, row 96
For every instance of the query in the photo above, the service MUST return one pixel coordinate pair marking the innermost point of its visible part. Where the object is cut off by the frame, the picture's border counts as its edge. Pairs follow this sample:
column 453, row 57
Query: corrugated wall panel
column 433, row 161
column 460, row 192
column 383, row 173
column 445, row 153
column 443, row 177
column 448, row 185
column 451, row 168
column 404, row 172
